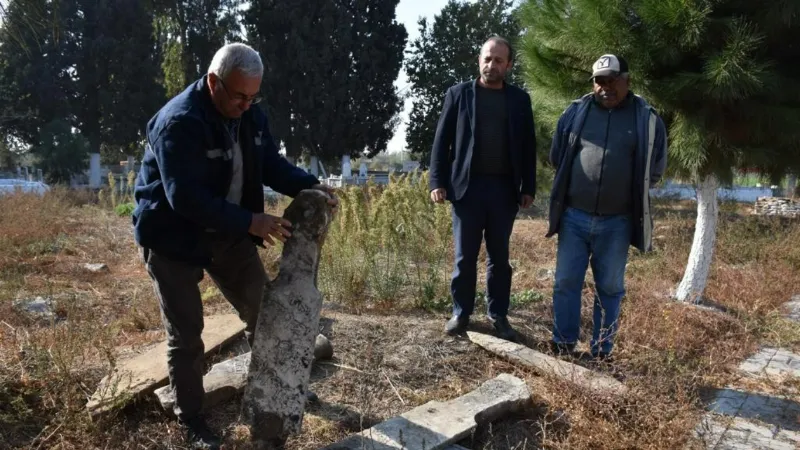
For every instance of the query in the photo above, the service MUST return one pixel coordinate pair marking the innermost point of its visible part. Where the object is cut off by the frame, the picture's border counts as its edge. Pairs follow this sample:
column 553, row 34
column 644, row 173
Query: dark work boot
column 561, row 349
column 456, row 325
column 199, row 436
column 503, row 329
column 603, row 356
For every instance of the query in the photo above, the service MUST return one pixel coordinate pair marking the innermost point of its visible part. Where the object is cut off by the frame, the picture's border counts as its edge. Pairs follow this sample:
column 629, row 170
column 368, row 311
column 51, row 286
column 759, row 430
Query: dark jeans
column 486, row 211
column 603, row 242
column 238, row 272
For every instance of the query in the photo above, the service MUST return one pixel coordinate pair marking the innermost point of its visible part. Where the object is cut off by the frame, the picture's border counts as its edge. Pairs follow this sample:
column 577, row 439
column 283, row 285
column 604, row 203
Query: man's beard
column 492, row 75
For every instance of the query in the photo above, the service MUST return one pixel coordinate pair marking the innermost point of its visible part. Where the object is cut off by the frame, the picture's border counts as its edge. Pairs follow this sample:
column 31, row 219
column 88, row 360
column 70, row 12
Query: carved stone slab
column 288, row 322
column 147, row 371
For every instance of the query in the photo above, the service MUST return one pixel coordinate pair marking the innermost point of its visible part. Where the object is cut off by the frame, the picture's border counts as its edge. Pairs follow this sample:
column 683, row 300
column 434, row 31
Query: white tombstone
column 94, row 170
column 19, row 173
column 362, row 170
column 346, row 169
column 39, row 175
column 130, row 165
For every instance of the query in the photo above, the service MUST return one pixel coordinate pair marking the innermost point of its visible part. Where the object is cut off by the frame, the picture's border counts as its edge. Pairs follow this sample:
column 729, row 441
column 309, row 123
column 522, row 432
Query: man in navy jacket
column 609, row 149
column 484, row 162
column 200, row 206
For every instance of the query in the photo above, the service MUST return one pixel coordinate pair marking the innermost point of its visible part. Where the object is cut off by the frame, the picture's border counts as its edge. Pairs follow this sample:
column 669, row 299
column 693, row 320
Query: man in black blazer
column 484, row 162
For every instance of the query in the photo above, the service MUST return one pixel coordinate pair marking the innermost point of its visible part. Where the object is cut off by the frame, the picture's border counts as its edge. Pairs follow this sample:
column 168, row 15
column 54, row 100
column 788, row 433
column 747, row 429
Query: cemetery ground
column 385, row 309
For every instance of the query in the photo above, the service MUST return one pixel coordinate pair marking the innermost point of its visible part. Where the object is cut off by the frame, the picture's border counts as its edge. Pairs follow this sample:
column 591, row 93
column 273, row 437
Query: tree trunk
column 699, row 266
column 791, row 185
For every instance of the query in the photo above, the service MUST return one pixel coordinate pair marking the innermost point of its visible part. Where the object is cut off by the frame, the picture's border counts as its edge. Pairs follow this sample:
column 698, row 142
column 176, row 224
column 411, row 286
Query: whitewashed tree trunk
column 699, row 266
column 791, row 185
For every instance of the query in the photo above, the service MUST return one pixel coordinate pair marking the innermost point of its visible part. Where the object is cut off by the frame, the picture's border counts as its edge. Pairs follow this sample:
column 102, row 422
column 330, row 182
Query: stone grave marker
column 147, row 371
column 288, row 323
column 440, row 425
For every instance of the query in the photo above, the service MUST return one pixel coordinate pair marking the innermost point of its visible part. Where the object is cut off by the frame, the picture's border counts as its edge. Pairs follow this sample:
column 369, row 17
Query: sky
column 407, row 13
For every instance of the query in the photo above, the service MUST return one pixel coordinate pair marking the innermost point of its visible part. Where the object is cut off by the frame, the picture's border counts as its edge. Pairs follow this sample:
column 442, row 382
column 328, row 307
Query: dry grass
column 395, row 357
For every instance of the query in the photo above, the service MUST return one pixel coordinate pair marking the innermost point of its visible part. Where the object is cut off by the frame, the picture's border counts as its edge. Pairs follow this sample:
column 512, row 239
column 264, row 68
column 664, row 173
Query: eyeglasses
column 605, row 81
column 240, row 97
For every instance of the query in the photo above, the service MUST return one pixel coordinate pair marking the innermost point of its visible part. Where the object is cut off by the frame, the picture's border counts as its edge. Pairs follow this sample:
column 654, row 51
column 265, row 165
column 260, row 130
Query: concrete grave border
column 440, row 425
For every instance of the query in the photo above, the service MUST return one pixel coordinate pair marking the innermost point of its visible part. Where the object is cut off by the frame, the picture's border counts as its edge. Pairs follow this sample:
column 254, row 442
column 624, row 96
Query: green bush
column 388, row 247
column 124, row 209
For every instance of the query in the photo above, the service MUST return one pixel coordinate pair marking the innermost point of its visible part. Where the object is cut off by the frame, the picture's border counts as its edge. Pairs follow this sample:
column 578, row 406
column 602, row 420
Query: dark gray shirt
column 602, row 172
column 490, row 156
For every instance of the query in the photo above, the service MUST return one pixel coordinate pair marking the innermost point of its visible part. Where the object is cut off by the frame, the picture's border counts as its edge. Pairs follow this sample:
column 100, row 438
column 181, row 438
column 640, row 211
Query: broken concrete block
column 288, row 320
column 147, row 371
column 225, row 379
column 439, row 425
column 548, row 365
column 222, row 382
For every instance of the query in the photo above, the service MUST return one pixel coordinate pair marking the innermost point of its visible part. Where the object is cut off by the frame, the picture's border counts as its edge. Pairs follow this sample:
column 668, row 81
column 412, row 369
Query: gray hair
column 236, row 56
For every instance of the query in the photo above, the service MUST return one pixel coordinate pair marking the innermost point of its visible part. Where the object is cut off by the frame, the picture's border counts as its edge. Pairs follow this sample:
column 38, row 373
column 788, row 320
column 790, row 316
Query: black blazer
column 451, row 155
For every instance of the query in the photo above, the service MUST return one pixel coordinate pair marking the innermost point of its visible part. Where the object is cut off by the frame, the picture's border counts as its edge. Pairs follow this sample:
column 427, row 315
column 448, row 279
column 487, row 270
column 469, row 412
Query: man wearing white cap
column 609, row 149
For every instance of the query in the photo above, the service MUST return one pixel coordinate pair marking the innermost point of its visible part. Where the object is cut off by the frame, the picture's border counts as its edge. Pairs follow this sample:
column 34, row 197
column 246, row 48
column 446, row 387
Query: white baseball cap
column 609, row 65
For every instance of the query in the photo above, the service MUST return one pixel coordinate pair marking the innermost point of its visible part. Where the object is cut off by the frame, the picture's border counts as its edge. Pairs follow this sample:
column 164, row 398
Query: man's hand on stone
column 267, row 227
column 438, row 195
column 333, row 200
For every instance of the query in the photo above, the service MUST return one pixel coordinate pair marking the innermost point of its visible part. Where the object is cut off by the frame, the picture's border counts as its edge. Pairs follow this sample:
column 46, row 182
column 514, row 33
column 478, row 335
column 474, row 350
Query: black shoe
column 456, row 325
column 199, row 435
column 561, row 349
column 503, row 329
column 603, row 356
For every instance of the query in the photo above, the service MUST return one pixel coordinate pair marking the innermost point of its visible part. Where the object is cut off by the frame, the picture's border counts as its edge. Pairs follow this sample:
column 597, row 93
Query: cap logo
column 604, row 63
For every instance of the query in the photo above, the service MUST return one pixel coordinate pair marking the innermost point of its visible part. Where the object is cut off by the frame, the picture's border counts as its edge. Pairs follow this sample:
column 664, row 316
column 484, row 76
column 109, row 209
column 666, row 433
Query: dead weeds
column 395, row 359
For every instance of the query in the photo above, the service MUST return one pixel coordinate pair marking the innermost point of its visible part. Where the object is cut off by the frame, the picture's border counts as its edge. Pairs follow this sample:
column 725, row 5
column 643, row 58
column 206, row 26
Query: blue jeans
column 602, row 241
column 486, row 211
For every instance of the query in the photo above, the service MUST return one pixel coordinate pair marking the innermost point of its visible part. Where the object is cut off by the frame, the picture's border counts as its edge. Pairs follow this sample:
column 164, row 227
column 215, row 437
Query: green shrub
column 389, row 246
column 124, row 209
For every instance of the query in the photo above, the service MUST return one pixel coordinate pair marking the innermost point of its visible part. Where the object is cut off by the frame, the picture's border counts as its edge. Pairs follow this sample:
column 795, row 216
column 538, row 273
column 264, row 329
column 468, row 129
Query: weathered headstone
column 347, row 171
column 229, row 377
column 94, row 170
column 548, row 365
column 288, row 323
column 439, row 425
column 147, row 371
